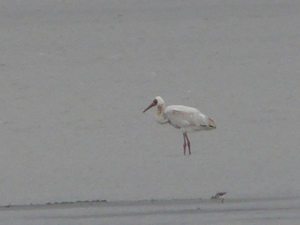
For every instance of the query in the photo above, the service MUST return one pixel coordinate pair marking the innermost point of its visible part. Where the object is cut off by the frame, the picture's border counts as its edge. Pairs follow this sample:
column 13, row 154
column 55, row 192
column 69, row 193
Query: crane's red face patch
column 154, row 103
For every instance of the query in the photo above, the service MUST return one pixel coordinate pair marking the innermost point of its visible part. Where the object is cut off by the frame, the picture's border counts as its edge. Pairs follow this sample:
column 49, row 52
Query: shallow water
column 76, row 76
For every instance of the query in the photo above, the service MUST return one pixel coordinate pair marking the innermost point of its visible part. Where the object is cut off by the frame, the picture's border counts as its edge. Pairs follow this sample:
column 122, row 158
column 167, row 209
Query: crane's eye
column 155, row 102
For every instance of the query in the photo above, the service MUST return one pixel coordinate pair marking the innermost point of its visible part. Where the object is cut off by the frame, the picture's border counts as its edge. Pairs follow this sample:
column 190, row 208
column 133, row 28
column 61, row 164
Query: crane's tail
column 211, row 123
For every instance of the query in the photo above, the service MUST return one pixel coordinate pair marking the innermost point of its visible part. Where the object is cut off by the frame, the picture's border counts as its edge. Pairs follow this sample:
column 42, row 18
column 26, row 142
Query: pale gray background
column 75, row 77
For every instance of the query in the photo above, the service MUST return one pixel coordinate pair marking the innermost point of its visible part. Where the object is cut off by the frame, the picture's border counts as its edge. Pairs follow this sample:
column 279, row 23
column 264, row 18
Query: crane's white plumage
column 185, row 118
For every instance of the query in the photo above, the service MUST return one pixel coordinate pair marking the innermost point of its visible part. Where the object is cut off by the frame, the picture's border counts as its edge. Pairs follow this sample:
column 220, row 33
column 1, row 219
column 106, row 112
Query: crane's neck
column 160, row 116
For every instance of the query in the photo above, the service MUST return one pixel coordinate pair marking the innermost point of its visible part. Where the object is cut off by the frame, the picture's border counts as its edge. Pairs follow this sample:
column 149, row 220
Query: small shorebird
column 185, row 118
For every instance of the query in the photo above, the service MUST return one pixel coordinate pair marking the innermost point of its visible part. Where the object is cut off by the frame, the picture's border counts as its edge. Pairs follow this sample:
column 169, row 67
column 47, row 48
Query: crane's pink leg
column 184, row 144
column 188, row 143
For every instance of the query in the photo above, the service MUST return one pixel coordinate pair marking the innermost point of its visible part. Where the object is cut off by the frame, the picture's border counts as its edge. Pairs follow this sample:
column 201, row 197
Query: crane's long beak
column 150, row 106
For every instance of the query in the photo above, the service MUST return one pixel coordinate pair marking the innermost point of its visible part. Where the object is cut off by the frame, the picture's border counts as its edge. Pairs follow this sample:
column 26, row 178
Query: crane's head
column 158, row 101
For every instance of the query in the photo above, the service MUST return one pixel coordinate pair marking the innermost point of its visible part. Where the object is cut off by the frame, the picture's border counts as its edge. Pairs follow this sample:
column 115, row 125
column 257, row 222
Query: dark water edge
column 152, row 202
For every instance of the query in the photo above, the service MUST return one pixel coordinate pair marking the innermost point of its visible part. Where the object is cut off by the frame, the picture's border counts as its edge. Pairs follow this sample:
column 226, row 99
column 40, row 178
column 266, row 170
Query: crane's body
column 185, row 118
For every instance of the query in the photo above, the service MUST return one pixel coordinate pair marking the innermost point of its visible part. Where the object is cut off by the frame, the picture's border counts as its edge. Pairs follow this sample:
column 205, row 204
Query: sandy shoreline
column 233, row 211
column 169, row 202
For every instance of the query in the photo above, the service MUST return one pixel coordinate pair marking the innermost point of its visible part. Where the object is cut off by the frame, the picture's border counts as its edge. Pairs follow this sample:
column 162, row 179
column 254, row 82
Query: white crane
column 185, row 118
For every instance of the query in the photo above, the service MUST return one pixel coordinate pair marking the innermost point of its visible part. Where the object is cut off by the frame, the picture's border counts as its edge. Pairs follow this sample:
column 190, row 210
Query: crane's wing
column 184, row 116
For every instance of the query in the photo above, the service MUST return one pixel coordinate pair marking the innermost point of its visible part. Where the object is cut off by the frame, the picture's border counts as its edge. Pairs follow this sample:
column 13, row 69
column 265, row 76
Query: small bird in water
column 185, row 118
column 218, row 195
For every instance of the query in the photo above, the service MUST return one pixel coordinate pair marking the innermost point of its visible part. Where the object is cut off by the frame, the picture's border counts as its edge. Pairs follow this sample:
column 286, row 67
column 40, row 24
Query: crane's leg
column 188, row 143
column 186, row 139
column 184, row 144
